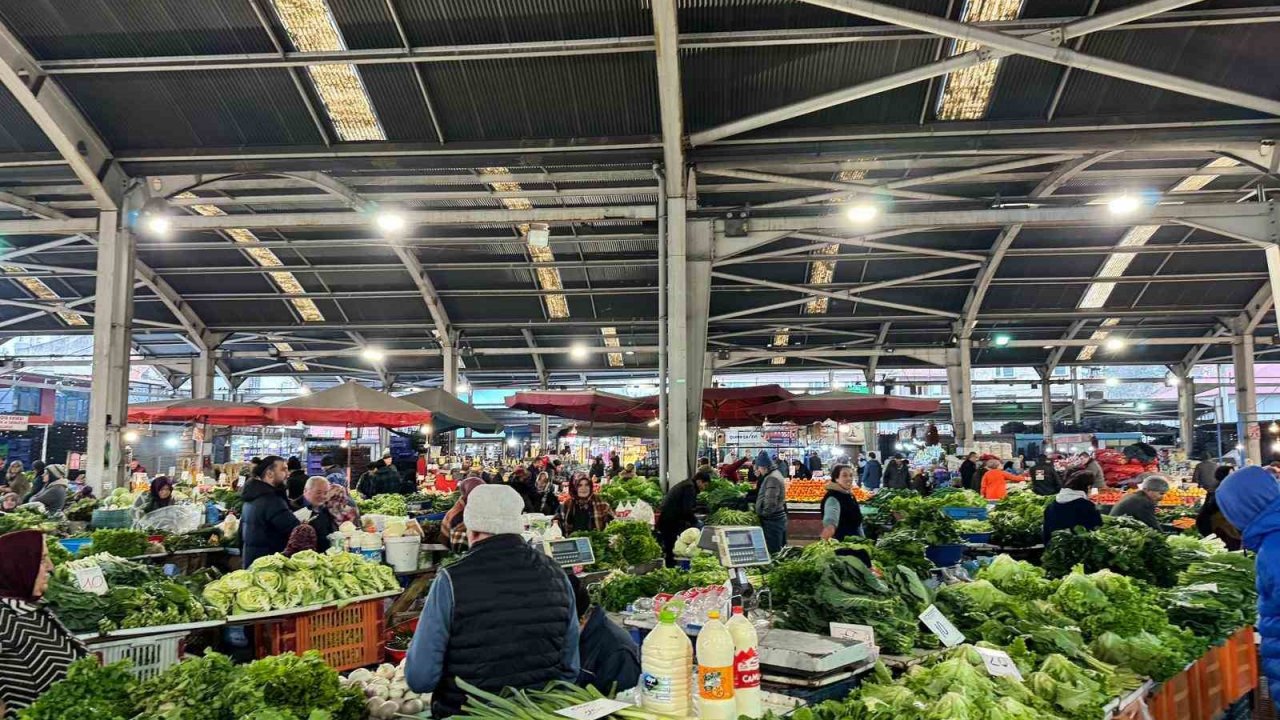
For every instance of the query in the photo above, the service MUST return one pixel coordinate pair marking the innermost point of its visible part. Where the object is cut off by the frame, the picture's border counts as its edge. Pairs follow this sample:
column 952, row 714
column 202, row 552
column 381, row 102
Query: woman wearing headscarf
column 16, row 480
column 302, row 538
column 597, row 468
column 548, row 501
column 159, row 496
column 53, row 496
column 584, row 511
column 35, row 648
column 9, row 502
column 452, row 526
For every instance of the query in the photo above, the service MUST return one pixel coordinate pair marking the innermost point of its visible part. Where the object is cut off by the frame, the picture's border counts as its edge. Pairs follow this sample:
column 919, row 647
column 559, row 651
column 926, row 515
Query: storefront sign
column 16, row 423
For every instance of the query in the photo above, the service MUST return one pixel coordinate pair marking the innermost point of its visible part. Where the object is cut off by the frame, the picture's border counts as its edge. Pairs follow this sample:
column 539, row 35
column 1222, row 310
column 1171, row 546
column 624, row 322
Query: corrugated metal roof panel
column 398, row 101
column 584, row 96
column 728, row 84
column 365, row 24
column 18, row 132
column 458, row 22
column 1024, row 87
column 193, row 109
column 105, row 28
column 1241, row 59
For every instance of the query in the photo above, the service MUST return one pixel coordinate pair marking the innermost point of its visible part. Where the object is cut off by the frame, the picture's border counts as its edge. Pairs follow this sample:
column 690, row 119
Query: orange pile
column 806, row 490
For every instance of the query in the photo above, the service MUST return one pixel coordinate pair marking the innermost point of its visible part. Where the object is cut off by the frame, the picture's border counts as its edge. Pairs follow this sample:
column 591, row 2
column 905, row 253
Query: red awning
column 350, row 404
column 585, row 405
column 844, row 407
column 733, row 407
column 190, row 410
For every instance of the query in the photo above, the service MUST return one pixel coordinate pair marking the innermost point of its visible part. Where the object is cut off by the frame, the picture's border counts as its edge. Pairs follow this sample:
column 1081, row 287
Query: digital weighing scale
column 570, row 552
column 737, row 547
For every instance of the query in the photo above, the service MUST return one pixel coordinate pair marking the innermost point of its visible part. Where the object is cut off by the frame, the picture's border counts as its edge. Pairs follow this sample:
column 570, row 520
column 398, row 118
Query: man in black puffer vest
column 503, row 616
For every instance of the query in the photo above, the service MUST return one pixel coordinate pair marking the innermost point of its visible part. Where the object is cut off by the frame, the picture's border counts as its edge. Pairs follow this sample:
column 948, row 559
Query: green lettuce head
column 236, row 581
column 253, row 600
column 270, row 580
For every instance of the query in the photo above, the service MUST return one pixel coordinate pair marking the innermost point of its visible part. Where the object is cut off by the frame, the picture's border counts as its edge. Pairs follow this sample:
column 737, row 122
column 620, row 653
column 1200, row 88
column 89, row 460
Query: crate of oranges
column 808, row 491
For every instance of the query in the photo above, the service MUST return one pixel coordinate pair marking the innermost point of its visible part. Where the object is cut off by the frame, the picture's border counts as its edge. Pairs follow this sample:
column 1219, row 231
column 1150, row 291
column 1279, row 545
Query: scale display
column 570, row 551
column 742, row 546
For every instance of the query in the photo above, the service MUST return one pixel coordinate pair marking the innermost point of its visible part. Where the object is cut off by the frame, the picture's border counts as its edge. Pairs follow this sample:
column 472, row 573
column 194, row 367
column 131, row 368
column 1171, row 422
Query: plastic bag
column 635, row 510
column 174, row 519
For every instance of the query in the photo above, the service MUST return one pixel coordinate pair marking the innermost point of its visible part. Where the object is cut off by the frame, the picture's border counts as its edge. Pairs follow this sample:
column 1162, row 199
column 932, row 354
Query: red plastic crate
column 1211, row 676
column 346, row 637
column 1241, row 660
column 1174, row 700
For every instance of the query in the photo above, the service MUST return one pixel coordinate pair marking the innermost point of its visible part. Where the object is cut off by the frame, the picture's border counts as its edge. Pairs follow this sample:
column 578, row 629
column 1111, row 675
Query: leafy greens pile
column 622, row 544
column 138, row 596
column 308, row 578
column 1018, row 520
column 618, row 590
column 620, row 491
column 120, row 543
column 385, row 504
column 1125, row 546
column 1215, row 597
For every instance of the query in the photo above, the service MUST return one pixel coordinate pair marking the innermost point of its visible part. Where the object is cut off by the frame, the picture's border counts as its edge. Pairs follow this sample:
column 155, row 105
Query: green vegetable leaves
column 1125, row 547
column 1018, row 520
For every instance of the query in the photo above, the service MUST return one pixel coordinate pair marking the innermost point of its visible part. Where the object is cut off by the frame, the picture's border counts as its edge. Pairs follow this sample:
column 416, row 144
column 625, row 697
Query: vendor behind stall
column 35, row 648
column 585, row 511
column 676, row 513
column 53, row 496
column 1141, row 505
column 160, row 495
column 841, row 516
column 452, row 526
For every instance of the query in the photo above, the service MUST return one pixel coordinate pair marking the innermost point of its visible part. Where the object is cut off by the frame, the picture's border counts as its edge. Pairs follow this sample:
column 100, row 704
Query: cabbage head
column 270, row 580
column 253, row 600
column 270, row 562
column 305, row 560
column 237, row 580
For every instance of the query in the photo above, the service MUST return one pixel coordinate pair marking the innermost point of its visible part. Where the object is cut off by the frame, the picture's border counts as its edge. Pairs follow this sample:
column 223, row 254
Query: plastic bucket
column 944, row 555
column 371, row 554
column 402, row 553
column 73, row 545
column 977, row 537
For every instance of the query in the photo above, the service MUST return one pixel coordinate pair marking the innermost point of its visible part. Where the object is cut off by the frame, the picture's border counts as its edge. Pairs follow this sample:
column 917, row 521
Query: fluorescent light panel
column 311, row 28
column 548, row 277
column 611, row 340
column 780, row 340
column 966, row 93
column 42, row 291
column 297, row 365
column 821, row 272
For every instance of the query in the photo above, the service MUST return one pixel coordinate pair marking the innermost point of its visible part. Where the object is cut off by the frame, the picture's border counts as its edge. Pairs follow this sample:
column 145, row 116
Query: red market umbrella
column 585, row 405
column 733, row 407
column 843, row 407
column 350, row 404
column 206, row 410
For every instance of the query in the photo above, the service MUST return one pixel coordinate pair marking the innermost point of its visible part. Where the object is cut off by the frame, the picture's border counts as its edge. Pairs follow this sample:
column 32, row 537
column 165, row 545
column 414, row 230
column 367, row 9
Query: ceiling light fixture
column 578, row 351
column 1123, row 204
column 1114, row 344
column 373, row 354
column 304, row 390
column 1112, row 382
column 462, row 386
column 1001, row 340
column 863, row 212
column 390, row 221
column 1172, row 380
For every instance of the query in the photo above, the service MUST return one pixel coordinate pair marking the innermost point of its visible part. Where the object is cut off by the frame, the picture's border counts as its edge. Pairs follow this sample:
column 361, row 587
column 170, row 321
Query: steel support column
column 960, row 388
column 109, row 397
column 1187, row 412
column 679, row 449
column 203, row 369
column 1246, row 398
column 1046, row 407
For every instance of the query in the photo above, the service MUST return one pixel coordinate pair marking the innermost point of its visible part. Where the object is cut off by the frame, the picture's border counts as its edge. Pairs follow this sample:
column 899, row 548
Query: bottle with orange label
column 715, row 671
column 746, row 665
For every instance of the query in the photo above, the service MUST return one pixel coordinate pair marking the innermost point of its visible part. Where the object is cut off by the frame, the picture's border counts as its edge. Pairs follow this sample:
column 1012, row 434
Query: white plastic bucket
column 402, row 553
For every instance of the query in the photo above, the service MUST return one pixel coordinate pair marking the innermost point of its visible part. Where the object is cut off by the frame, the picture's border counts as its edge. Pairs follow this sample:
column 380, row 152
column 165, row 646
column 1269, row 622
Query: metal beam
column 418, row 217
column 841, row 188
column 1060, row 55
column 855, row 294
column 927, row 72
column 60, row 119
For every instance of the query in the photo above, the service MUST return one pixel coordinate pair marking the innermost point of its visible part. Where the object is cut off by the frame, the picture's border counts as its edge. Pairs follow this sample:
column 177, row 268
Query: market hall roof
column 494, row 116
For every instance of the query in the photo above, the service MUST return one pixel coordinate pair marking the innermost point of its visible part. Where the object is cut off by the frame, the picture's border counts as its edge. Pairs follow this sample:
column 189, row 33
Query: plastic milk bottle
column 746, row 665
column 665, row 661
column 715, row 671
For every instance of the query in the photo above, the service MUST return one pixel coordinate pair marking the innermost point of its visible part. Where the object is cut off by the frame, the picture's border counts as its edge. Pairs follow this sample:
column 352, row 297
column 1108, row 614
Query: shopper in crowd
column 995, row 481
column 548, row 500
column 969, row 472
column 1203, row 476
column 941, row 477
column 1045, row 479
column 303, row 537
column 920, row 482
column 628, row 472
column 615, row 464
column 452, row 525
column 1250, row 499
column 871, row 472
column 1071, row 507
column 15, row 480
column 296, row 482
column 1090, row 463
column 35, row 648
column 897, row 475
column 1141, row 505
column 471, row 630
column 597, row 468
column 136, row 467
column 608, row 657
column 676, row 514
column 9, row 502
column 585, row 510
column 813, row 462
column 841, row 516
column 386, row 478
column 334, row 474
column 53, row 496
column 771, row 505
column 36, row 478
column 159, row 496
column 315, row 497
column 1212, row 521
column 800, row 471
column 267, row 519
column 523, row 484
column 730, row 470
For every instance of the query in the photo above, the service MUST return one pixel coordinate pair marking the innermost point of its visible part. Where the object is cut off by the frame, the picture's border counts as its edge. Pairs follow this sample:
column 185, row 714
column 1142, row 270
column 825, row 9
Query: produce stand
column 347, row 633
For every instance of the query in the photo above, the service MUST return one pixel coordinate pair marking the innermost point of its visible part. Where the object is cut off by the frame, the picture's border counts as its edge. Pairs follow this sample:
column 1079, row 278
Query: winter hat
column 1245, row 494
column 58, row 472
column 494, row 509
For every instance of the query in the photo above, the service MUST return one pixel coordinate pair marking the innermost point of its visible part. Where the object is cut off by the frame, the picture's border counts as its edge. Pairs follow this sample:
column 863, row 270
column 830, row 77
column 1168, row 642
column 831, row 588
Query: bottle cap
column 713, row 615
column 737, row 611
column 667, row 616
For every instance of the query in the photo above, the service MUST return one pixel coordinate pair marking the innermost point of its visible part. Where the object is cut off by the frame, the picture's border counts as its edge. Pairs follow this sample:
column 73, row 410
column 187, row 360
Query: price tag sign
column 859, row 633
column 1202, row 587
column 593, row 710
column 999, row 663
column 90, row 579
column 933, row 619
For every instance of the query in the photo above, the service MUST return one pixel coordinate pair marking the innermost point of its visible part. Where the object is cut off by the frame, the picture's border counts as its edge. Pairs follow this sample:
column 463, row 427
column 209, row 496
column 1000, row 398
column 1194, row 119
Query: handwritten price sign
column 90, row 579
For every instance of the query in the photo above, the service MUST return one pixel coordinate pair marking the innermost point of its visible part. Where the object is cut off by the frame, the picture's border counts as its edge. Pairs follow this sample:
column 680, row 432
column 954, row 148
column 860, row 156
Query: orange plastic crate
column 347, row 637
column 1241, row 660
column 1211, row 681
column 1174, row 700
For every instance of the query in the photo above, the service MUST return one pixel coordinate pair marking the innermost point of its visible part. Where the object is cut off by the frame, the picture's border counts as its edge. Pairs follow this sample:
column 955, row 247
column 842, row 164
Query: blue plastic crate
column 965, row 513
column 73, row 545
column 984, row 537
column 944, row 555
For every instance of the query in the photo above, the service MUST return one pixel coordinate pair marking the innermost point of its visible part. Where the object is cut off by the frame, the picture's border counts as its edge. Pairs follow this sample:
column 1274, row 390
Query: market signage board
column 933, row 619
column 14, row 423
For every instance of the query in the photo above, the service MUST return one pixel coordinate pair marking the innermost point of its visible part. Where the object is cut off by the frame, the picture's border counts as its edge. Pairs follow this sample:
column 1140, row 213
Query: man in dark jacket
column 969, row 472
column 1141, row 505
column 771, row 505
column 386, row 478
column 1044, row 477
column 471, row 630
column 676, row 513
column 609, row 657
column 296, row 482
column 871, row 473
column 267, row 520
column 897, row 476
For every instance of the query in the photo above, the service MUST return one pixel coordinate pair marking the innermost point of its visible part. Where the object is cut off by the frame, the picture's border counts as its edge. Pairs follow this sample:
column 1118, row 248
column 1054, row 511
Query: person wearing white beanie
column 502, row 616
